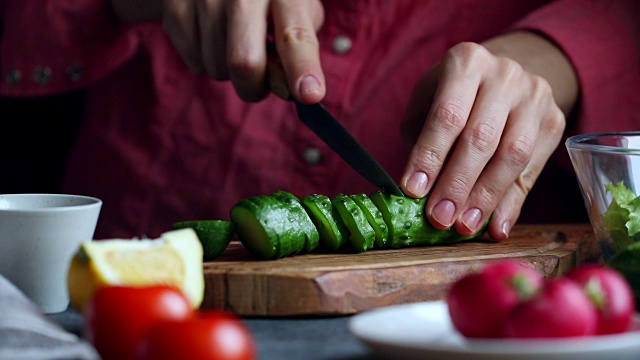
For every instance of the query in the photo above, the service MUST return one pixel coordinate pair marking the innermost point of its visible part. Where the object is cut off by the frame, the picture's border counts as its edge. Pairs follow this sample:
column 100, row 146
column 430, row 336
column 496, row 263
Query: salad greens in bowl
column 607, row 166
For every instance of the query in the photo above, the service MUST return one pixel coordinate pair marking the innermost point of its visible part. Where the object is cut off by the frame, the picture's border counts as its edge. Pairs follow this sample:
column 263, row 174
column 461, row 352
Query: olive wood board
column 323, row 284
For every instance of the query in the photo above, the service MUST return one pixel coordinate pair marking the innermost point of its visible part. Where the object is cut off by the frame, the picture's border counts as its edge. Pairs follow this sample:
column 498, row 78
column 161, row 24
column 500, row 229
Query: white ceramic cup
column 39, row 234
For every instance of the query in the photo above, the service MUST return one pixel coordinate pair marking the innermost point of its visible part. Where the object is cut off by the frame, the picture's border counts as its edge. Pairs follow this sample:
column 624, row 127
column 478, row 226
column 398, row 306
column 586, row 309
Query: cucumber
column 407, row 223
column 292, row 238
column 374, row 216
column 263, row 226
column 215, row 235
column 361, row 233
column 281, row 224
column 333, row 233
column 255, row 232
column 300, row 216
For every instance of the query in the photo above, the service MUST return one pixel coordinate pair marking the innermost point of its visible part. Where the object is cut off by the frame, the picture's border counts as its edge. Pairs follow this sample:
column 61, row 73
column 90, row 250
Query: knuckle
column 466, row 57
column 458, row 187
column 294, row 35
column 525, row 181
column 519, row 151
column 450, row 116
column 483, row 137
column 244, row 63
column 468, row 51
column 509, row 70
column 487, row 197
column 556, row 122
column 427, row 158
column 541, row 90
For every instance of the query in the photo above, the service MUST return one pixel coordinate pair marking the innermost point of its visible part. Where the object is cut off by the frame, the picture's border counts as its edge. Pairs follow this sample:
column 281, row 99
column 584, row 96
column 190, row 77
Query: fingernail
column 443, row 212
column 471, row 219
column 417, row 184
column 506, row 227
column 309, row 85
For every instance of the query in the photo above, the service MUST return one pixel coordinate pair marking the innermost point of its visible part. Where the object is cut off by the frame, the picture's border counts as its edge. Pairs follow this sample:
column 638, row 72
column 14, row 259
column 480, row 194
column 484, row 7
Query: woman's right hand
column 227, row 39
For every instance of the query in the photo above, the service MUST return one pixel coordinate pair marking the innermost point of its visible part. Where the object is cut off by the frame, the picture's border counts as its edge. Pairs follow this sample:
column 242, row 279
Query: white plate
column 424, row 331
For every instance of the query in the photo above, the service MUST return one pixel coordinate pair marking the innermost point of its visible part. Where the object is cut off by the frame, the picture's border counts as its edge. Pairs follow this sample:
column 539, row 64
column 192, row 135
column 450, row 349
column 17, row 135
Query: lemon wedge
column 173, row 259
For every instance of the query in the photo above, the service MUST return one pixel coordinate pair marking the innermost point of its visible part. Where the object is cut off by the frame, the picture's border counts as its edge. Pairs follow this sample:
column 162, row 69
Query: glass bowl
column 607, row 166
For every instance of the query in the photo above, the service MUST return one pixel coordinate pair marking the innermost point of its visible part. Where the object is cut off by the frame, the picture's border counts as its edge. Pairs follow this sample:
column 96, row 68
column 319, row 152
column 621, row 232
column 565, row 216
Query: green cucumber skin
column 407, row 223
column 262, row 215
column 333, row 233
column 345, row 219
column 361, row 233
column 300, row 216
column 221, row 231
column 374, row 216
column 292, row 238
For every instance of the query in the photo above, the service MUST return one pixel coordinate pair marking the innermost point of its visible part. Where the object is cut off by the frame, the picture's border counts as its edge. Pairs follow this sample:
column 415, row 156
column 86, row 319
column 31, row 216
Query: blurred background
column 36, row 137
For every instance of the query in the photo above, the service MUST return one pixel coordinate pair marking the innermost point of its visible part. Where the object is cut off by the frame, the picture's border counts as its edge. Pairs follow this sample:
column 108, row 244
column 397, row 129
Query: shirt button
column 312, row 155
column 74, row 72
column 13, row 76
column 42, row 75
column 341, row 44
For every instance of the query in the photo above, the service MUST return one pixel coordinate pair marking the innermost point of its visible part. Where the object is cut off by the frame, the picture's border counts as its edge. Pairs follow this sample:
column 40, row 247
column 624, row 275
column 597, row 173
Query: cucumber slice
column 254, row 229
column 361, row 234
column 407, row 223
column 300, row 216
column 374, row 216
column 332, row 231
column 264, row 228
column 214, row 235
column 290, row 235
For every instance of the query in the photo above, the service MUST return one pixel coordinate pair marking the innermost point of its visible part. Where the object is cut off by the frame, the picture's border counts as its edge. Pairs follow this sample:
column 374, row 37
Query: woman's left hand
column 482, row 128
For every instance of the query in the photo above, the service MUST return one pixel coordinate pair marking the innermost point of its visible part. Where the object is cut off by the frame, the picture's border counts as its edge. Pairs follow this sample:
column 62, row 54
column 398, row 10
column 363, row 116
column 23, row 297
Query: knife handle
column 276, row 78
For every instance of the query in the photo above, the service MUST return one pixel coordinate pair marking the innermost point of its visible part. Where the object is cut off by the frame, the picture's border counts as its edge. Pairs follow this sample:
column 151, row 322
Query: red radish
column 560, row 309
column 479, row 302
column 610, row 293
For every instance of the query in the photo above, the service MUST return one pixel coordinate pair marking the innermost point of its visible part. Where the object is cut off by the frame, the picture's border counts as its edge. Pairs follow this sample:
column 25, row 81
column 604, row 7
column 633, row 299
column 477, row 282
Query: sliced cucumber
column 361, row 233
column 374, row 216
column 214, row 235
column 406, row 220
column 292, row 238
column 333, row 233
column 300, row 216
column 255, row 230
column 272, row 227
column 264, row 228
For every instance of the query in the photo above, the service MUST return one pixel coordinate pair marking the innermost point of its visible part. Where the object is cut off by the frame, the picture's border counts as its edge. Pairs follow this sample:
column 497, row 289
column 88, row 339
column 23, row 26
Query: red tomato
column 610, row 293
column 560, row 309
column 118, row 316
column 213, row 335
column 479, row 302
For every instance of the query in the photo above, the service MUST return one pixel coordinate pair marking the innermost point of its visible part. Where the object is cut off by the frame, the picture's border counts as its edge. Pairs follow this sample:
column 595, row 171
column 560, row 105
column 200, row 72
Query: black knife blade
column 340, row 140
column 330, row 130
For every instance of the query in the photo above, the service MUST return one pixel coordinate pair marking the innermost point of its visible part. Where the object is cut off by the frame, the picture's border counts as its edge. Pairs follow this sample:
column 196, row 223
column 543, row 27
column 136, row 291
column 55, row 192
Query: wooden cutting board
column 337, row 284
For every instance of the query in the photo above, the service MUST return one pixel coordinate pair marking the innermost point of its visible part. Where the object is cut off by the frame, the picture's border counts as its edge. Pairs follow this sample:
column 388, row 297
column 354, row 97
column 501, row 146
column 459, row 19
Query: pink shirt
column 160, row 144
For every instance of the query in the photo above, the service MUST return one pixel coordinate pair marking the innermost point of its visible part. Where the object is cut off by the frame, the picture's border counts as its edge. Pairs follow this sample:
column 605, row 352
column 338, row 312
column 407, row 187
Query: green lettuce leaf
column 622, row 217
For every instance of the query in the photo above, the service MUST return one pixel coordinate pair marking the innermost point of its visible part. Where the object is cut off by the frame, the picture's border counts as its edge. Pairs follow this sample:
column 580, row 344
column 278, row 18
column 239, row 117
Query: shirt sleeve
column 54, row 46
column 602, row 40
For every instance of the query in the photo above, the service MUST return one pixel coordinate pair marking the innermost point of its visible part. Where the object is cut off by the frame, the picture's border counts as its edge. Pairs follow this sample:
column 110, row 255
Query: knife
column 331, row 131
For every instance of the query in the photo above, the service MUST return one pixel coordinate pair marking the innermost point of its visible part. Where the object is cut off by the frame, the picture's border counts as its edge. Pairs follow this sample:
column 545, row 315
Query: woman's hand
column 228, row 39
column 483, row 123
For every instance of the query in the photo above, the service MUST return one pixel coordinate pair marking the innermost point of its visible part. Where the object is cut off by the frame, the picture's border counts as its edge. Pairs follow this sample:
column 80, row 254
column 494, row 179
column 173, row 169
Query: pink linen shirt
column 160, row 144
